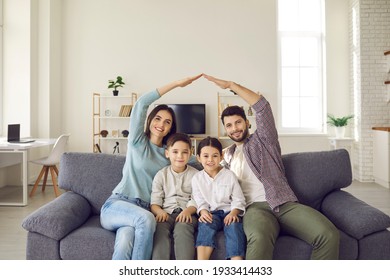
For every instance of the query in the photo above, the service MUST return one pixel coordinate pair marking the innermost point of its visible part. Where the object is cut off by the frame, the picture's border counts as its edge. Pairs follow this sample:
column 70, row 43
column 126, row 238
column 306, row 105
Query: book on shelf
column 125, row 111
column 121, row 111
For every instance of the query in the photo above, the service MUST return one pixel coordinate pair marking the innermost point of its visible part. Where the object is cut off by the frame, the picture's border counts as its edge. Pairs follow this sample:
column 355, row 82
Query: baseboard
column 381, row 182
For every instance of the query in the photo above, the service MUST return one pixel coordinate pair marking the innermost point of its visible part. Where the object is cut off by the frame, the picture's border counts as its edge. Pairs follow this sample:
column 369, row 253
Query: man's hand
column 248, row 95
column 221, row 83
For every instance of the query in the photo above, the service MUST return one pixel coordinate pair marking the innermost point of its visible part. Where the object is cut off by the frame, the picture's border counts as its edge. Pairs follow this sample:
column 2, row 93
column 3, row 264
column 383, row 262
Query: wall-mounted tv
column 191, row 118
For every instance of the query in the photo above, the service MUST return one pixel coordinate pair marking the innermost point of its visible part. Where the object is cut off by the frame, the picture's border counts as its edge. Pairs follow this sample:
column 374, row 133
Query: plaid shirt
column 263, row 154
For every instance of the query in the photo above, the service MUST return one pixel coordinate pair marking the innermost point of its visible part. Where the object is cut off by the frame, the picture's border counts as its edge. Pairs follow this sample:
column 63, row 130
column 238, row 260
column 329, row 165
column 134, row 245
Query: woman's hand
column 205, row 216
column 186, row 81
column 179, row 83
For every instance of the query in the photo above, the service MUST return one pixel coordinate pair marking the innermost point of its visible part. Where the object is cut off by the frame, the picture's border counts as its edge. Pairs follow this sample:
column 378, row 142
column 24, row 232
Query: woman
column 127, row 210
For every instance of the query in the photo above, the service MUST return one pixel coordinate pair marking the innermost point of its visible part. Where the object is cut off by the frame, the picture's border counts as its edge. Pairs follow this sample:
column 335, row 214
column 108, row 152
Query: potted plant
column 115, row 84
column 339, row 124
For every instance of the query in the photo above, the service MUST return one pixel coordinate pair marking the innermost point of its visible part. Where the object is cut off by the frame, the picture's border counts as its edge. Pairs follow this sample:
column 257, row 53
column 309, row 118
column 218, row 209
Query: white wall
column 372, row 108
column 337, row 57
column 153, row 42
column 32, row 66
column 17, row 64
column 31, row 74
column 47, row 77
column 70, row 48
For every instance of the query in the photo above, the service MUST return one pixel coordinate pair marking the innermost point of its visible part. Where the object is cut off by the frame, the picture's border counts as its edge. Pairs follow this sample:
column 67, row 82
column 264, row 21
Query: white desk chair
column 49, row 164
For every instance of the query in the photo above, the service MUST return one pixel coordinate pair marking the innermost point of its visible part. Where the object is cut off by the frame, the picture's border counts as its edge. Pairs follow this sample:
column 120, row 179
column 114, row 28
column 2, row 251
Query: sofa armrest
column 353, row 216
column 59, row 217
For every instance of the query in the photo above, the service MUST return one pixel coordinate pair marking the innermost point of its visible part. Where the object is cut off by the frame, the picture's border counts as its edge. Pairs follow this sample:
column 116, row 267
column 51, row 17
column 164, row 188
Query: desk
column 12, row 154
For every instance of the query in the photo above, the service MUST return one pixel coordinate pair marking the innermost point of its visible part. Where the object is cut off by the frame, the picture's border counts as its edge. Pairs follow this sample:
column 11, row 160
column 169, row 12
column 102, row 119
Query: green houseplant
column 339, row 124
column 115, row 84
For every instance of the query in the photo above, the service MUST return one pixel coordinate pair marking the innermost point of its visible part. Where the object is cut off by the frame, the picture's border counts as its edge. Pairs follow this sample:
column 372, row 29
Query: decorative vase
column 340, row 131
column 125, row 133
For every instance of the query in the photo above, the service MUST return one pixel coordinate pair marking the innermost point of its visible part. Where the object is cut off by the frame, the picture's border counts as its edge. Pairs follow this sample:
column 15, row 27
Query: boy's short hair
column 231, row 111
column 178, row 137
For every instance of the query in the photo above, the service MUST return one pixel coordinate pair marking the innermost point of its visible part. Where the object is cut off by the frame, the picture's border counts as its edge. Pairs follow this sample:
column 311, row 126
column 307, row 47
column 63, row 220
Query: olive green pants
column 182, row 235
column 262, row 227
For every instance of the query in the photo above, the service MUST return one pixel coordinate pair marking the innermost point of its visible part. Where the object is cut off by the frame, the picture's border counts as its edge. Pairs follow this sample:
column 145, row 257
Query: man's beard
column 242, row 138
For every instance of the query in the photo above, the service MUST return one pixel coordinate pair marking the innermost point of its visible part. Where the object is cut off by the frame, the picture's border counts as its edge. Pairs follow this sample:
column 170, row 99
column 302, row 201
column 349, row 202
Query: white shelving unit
column 107, row 116
column 387, row 80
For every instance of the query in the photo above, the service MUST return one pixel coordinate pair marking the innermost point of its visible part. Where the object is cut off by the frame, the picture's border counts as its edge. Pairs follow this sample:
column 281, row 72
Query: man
column 271, row 204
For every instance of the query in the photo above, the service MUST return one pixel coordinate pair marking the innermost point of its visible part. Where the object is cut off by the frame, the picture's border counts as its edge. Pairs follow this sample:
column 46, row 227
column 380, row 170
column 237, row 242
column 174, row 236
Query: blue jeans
column 235, row 240
column 134, row 225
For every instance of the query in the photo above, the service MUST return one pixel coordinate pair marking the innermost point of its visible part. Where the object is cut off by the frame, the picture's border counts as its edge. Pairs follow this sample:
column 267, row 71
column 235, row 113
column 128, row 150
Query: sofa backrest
column 93, row 176
column 312, row 175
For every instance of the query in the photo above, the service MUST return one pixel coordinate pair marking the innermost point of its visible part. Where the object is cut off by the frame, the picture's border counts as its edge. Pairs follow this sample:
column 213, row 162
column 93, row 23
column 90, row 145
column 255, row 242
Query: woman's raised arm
column 179, row 83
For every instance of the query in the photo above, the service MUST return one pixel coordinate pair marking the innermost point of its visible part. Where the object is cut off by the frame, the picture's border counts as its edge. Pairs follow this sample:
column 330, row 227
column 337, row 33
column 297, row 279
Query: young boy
column 172, row 204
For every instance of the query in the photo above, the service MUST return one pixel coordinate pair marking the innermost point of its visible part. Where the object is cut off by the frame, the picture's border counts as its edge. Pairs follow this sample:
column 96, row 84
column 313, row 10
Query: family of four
column 243, row 191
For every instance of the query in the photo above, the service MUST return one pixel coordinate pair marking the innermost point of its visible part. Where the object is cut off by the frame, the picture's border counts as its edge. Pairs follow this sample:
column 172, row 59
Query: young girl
column 172, row 202
column 220, row 202
column 127, row 210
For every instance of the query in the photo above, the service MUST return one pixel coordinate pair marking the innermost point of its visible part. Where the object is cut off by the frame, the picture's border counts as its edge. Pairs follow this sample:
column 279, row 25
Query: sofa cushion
column 352, row 215
column 41, row 247
column 88, row 242
column 349, row 247
column 312, row 175
column 93, row 176
column 291, row 248
column 367, row 250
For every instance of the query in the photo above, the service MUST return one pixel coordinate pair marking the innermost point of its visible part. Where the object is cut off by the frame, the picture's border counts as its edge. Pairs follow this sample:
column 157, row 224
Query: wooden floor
column 13, row 236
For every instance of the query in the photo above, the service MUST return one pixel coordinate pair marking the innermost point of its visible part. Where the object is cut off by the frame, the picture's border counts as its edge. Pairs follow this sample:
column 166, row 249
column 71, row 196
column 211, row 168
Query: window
column 301, row 61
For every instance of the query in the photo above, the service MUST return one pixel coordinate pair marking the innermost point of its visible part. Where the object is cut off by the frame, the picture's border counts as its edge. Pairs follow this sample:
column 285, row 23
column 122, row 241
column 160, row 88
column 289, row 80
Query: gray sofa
column 69, row 226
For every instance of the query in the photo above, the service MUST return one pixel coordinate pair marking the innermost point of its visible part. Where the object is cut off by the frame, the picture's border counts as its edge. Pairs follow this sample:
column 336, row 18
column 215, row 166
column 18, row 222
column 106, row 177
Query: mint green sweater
column 143, row 159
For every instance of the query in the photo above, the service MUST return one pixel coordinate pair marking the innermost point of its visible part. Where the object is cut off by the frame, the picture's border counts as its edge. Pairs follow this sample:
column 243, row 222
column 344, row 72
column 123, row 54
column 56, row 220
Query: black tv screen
column 190, row 118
